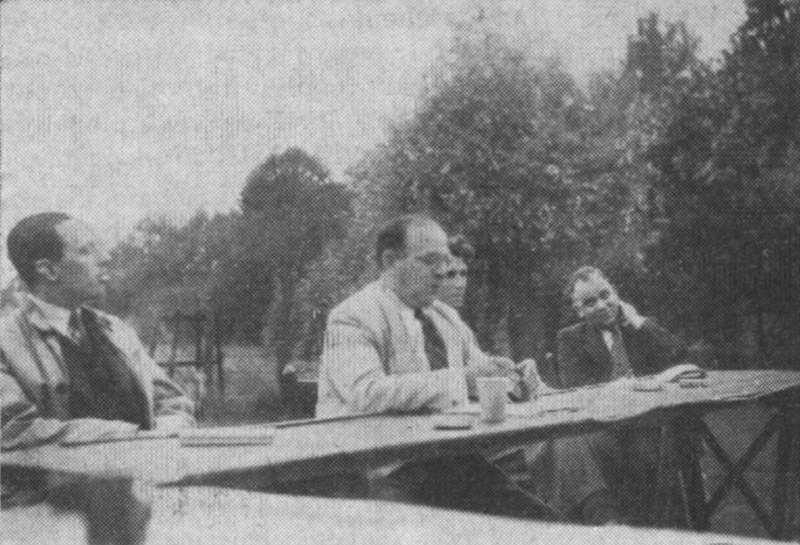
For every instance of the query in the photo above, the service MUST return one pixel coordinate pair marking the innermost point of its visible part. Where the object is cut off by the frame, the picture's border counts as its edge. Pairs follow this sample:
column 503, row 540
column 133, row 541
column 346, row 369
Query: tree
column 727, row 157
column 291, row 210
column 162, row 267
column 509, row 152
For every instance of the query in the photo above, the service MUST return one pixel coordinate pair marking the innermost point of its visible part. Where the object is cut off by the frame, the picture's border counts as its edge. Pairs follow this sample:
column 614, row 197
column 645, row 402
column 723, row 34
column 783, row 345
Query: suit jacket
column 584, row 358
column 370, row 366
column 34, row 392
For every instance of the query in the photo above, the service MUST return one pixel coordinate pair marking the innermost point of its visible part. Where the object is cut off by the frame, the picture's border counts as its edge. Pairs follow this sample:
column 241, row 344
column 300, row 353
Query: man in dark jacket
column 612, row 341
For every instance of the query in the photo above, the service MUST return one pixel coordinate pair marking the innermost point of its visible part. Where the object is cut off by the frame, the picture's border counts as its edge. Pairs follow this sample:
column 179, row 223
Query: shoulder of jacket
column 9, row 324
column 571, row 331
column 364, row 301
column 367, row 293
column 10, row 318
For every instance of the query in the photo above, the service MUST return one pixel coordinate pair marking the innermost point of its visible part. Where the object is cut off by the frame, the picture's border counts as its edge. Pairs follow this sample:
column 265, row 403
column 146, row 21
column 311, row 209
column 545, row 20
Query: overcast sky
column 116, row 110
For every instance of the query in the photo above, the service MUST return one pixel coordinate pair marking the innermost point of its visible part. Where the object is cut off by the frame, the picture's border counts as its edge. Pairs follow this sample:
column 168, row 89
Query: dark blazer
column 584, row 358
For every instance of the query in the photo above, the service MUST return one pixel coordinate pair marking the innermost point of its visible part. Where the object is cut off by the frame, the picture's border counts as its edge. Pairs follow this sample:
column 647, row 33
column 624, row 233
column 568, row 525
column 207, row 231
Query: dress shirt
column 608, row 338
column 412, row 325
column 54, row 316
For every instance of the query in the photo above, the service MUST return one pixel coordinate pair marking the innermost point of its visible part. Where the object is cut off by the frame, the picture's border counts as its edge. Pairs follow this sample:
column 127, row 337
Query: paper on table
column 573, row 401
column 133, row 435
column 226, row 436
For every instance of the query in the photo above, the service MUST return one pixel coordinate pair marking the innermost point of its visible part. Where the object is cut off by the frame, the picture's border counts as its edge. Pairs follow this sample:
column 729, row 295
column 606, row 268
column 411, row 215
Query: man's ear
column 389, row 257
column 46, row 269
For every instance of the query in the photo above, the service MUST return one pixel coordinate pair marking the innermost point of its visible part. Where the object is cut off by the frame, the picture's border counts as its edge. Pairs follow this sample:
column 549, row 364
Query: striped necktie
column 435, row 349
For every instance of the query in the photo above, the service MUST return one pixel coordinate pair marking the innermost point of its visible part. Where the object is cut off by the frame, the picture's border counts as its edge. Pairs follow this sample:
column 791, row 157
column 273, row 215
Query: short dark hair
column 461, row 248
column 392, row 236
column 583, row 274
column 34, row 238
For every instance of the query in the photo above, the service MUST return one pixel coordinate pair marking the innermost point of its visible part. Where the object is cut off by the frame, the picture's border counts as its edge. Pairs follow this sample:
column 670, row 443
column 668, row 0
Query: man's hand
column 491, row 366
column 529, row 381
column 630, row 315
column 497, row 366
column 530, row 385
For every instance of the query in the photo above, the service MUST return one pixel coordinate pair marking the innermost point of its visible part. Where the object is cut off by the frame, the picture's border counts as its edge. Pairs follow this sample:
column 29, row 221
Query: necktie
column 77, row 333
column 75, row 357
column 435, row 349
column 621, row 365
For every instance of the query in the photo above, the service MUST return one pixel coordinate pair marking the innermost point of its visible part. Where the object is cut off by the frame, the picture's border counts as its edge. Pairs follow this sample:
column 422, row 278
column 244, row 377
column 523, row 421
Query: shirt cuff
column 455, row 385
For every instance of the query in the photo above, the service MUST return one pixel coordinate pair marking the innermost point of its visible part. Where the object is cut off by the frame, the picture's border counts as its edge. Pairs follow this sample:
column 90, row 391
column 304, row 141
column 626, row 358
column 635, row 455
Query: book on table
column 226, row 436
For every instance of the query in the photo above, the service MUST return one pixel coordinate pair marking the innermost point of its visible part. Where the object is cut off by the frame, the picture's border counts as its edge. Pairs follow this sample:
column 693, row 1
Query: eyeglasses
column 433, row 259
column 451, row 274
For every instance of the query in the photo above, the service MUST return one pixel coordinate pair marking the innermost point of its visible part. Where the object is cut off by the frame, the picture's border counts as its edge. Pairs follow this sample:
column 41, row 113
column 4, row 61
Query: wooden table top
column 371, row 441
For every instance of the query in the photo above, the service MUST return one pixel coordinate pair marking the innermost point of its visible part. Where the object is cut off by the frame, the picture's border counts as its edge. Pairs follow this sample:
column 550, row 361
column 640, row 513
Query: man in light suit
column 393, row 348
column 612, row 341
column 69, row 372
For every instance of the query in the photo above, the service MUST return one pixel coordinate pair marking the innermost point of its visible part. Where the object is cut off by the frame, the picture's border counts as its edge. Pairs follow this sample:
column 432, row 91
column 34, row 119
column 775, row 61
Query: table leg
column 787, row 474
column 663, row 508
column 692, row 486
column 794, row 505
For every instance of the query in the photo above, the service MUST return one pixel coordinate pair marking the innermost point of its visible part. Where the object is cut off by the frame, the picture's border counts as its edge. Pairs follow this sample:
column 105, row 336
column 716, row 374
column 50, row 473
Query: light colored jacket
column 370, row 365
column 34, row 389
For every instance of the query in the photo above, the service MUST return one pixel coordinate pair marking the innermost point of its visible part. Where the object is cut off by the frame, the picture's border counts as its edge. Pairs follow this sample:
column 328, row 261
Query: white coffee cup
column 493, row 396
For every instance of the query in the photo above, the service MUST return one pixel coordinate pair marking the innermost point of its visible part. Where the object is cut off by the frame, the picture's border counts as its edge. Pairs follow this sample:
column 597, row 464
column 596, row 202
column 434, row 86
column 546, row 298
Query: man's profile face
column 453, row 283
column 426, row 256
column 595, row 300
column 81, row 274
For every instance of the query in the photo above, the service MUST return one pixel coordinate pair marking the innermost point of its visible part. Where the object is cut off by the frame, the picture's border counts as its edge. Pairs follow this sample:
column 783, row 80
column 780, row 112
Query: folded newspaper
column 226, row 436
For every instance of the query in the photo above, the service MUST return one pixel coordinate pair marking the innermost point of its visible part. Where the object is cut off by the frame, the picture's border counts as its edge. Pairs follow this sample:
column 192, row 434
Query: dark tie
column 619, row 355
column 435, row 348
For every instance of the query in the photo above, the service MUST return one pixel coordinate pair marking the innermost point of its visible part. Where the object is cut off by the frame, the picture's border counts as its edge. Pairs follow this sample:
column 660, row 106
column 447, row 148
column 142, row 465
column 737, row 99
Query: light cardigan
column 371, row 362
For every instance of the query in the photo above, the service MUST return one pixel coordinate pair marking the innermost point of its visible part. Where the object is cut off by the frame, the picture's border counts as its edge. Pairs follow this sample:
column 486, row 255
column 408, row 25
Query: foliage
column 728, row 161
column 291, row 210
column 676, row 175
column 163, row 267
column 515, row 156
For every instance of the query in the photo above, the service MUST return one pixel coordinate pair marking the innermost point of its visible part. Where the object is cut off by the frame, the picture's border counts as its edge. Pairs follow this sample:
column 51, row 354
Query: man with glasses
column 394, row 348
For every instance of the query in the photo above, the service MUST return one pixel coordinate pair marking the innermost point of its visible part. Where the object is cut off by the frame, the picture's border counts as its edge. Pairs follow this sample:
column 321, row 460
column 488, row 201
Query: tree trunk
column 486, row 320
column 284, row 330
column 526, row 317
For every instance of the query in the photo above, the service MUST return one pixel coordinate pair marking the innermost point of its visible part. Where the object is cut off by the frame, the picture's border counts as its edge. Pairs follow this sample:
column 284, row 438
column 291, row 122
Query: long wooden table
column 323, row 448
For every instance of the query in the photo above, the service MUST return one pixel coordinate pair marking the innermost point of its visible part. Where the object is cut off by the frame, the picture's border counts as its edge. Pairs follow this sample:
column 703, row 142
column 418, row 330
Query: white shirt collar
column 54, row 316
column 608, row 338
